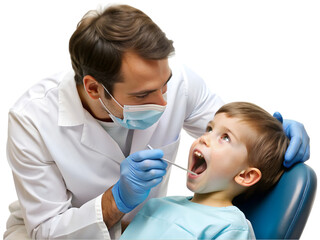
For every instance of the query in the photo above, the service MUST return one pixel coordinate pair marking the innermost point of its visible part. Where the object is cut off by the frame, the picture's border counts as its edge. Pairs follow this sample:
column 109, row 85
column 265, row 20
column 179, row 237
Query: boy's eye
column 209, row 129
column 226, row 137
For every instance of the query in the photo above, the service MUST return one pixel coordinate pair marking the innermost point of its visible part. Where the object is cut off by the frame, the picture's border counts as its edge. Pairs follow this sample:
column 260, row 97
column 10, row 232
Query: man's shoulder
column 40, row 94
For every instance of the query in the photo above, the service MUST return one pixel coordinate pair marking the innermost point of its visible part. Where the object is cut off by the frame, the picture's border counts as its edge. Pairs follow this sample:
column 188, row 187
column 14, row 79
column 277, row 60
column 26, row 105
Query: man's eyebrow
column 153, row 90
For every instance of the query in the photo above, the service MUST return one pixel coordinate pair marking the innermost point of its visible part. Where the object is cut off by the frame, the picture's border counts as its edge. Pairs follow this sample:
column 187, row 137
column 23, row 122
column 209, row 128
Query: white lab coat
column 63, row 160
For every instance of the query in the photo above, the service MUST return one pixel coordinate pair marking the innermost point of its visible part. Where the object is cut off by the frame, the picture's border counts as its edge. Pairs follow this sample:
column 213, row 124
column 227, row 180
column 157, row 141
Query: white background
column 266, row 52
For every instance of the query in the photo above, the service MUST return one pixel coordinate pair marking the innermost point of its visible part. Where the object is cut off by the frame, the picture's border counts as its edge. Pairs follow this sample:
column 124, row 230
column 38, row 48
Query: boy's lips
column 198, row 164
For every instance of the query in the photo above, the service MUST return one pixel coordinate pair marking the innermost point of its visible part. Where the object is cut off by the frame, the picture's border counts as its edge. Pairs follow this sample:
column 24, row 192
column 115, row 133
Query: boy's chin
column 191, row 187
column 188, row 185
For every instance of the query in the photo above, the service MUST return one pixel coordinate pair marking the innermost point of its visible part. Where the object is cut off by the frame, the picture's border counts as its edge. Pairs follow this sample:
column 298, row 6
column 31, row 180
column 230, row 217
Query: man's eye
column 209, row 129
column 225, row 137
column 142, row 96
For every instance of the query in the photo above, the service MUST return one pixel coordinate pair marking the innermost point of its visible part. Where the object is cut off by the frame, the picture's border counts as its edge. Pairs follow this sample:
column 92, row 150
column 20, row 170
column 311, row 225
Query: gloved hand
column 299, row 147
column 139, row 172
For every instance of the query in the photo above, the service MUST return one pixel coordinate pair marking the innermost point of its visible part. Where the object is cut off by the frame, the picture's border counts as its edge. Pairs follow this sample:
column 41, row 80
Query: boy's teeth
column 198, row 154
column 199, row 163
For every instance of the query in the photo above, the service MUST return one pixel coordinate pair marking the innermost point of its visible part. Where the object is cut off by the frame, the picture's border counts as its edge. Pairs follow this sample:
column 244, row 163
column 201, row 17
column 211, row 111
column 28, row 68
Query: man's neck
column 92, row 106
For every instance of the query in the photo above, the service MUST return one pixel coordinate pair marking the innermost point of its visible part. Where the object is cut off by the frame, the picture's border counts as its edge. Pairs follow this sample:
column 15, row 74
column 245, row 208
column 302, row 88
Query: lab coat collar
column 141, row 138
column 71, row 112
column 96, row 138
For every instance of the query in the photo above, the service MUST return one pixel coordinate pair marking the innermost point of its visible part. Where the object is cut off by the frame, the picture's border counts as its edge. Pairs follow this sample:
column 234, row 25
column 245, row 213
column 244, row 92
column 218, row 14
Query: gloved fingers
column 292, row 156
column 152, row 183
column 299, row 148
column 278, row 116
column 143, row 187
column 306, row 155
column 293, row 148
column 144, row 176
column 149, row 164
column 153, row 174
column 146, row 154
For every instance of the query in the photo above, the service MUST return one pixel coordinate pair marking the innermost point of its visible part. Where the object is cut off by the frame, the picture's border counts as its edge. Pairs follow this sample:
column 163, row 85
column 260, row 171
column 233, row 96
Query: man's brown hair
column 101, row 38
column 266, row 149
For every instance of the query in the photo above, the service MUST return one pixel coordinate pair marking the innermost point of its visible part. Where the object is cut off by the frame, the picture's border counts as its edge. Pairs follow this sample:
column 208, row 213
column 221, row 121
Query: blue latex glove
column 139, row 172
column 299, row 147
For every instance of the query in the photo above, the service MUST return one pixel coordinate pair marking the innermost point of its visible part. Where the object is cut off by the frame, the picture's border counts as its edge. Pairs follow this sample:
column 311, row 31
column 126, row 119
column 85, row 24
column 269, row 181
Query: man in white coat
column 77, row 141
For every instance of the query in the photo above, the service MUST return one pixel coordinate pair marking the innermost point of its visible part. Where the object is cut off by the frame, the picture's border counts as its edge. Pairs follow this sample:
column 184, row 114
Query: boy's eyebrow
column 229, row 131
column 150, row 91
column 211, row 123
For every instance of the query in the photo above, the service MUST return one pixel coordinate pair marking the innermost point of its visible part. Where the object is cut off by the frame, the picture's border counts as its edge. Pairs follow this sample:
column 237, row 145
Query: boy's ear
column 248, row 177
column 91, row 86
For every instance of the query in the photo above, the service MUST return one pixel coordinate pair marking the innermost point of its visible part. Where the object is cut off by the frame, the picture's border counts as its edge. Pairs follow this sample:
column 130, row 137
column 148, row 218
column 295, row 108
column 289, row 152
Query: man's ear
column 248, row 177
column 92, row 87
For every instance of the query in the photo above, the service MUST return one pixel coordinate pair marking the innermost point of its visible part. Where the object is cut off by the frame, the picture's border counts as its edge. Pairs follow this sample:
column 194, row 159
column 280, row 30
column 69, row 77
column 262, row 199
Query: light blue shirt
column 179, row 218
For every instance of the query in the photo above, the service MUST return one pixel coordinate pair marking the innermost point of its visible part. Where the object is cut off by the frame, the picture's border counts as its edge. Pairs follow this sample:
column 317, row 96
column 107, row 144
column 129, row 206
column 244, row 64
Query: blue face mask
column 137, row 116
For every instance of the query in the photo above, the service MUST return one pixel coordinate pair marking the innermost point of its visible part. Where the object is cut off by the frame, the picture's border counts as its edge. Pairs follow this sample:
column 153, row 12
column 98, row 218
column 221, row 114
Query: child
column 241, row 152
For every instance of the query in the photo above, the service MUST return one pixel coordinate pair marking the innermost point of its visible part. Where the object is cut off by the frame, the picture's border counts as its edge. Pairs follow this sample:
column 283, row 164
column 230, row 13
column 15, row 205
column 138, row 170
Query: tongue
column 200, row 168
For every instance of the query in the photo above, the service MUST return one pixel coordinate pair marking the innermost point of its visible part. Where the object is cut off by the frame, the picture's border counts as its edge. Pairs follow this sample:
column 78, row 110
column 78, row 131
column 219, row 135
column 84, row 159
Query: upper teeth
column 198, row 154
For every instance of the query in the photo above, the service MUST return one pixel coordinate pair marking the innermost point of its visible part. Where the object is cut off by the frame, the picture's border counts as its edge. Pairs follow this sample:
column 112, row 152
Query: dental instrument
column 168, row 161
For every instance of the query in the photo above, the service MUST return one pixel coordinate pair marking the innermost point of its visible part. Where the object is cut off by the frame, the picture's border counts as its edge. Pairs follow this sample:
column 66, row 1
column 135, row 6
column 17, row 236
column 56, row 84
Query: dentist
column 76, row 140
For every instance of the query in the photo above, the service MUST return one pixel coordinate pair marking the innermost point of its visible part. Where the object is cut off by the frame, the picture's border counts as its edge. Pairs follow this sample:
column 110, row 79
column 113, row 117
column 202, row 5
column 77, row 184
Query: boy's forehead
column 224, row 121
column 222, row 118
column 235, row 124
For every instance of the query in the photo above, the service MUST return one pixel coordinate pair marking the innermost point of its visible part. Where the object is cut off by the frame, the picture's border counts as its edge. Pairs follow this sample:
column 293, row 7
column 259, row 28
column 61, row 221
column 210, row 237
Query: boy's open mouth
column 199, row 164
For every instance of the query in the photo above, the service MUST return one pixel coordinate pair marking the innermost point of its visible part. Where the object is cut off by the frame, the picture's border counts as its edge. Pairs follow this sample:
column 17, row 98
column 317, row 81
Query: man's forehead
column 137, row 66
column 140, row 74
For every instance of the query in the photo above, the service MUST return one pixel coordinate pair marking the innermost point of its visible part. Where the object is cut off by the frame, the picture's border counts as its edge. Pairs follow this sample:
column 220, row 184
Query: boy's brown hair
column 101, row 38
column 267, row 148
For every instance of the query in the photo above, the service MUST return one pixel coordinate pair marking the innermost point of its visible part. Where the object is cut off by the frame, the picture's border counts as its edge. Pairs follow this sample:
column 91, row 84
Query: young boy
column 241, row 152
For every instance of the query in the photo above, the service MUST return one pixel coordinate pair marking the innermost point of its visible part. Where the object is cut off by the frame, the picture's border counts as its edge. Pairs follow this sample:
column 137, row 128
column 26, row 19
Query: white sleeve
column 45, row 201
column 202, row 103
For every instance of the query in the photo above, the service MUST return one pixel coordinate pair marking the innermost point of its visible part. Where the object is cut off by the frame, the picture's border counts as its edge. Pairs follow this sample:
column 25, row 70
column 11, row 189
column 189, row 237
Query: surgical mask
column 137, row 116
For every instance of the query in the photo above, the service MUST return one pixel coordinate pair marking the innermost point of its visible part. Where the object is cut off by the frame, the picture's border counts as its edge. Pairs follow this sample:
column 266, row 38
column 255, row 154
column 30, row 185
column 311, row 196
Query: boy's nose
column 204, row 139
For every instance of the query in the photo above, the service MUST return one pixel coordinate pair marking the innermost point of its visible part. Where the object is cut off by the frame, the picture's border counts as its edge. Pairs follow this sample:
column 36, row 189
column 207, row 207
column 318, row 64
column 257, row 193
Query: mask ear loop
column 111, row 96
column 114, row 118
column 104, row 106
